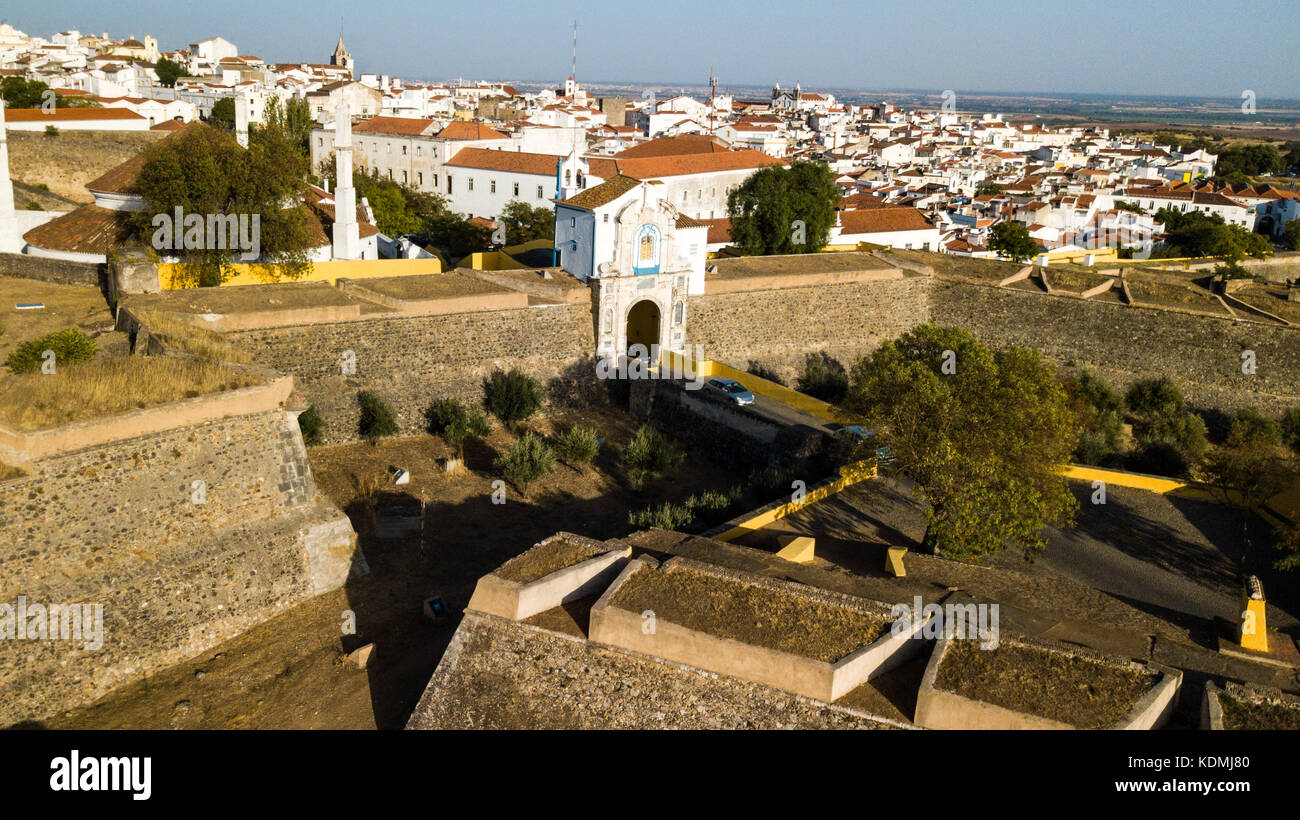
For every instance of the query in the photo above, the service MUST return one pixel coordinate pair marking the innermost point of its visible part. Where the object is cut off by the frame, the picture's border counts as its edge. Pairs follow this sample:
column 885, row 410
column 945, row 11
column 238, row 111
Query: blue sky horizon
column 1175, row 48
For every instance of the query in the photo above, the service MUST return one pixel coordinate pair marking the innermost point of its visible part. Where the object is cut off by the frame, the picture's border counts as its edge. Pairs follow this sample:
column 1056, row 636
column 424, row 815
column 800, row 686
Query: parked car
column 853, row 432
column 729, row 390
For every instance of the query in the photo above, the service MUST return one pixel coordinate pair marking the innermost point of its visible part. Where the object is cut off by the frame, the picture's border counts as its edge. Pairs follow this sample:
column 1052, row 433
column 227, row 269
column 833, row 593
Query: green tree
column 456, row 423
column 1250, row 424
column 168, row 71
column 293, row 119
column 527, row 461
column 312, row 425
column 649, row 454
column 1290, row 424
column 823, row 378
column 524, row 223
column 223, row 113
column 1291, row 235
column 989, row 189
column 1246, row 472
column 1148, row 399
column 1098, row 408
column 18, row 92
column 513, row 396
column 578, row 445
column 377, row 417
column 204, row 172
column 1012, row 241
column 784, row 210
column 982, row 432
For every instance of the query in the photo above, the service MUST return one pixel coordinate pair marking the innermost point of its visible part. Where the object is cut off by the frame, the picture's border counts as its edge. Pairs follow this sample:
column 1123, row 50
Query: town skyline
column 924, row 49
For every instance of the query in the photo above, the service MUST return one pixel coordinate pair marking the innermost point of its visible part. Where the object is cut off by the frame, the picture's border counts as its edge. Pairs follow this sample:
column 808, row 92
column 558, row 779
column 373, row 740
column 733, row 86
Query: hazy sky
column 1184, row 47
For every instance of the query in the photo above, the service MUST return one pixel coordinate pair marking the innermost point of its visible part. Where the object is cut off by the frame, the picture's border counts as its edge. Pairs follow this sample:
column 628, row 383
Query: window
column 419, row 152
column 448, row 183
column 403, row 176
column 492, row 185
column 388, row 148
column 516, row 193
column 419, row 178
column 539, row 192
column 390, row 173
column 320, row 141
column 471, row 183
column 435, row 181
column 606, row 218
column 403, row 150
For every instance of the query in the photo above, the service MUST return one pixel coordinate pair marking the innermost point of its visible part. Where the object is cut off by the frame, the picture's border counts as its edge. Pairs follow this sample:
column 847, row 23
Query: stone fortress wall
column 117, row 524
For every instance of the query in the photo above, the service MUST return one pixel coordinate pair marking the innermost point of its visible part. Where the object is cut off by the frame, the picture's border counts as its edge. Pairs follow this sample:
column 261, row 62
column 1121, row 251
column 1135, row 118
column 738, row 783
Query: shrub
column 770, row 478
column 34, row 206
column 1151, row 398
column 51, row 131
column 527, row 460
column 513, row 396
column 823, row 378
column 70, row 346
column 1097, row 406
column 671, row 516
column 1183, row 433
column 1291, row 428
column 667, row 515
column 1250, row 424
column 456, row 422
column 377, row 417
column 649, row 454
column 1159, row 458
column 312, row 425
column 578, row 445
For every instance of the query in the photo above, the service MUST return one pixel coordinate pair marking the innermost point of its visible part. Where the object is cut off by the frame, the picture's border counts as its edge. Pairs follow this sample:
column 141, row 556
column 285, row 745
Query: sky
column 1141, row 47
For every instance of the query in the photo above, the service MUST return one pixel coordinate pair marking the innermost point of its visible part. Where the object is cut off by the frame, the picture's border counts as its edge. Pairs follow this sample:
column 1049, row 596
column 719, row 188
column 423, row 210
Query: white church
column 644, row 256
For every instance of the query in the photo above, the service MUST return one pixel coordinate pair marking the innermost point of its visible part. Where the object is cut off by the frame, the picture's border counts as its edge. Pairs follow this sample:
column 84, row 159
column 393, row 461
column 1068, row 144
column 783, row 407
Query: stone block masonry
column 1122, row 344
column 120, row 525
column 779, row 328
column 57, row 271
column 413, row 361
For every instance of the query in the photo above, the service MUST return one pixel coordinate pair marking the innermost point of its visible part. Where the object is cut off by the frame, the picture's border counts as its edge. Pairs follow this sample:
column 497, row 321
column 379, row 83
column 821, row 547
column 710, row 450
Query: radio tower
column 713, row 93
column 574, row 71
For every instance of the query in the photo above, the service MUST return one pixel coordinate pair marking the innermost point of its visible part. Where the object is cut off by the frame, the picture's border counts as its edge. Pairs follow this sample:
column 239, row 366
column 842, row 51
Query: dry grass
column 206, row 344
column 35, row 401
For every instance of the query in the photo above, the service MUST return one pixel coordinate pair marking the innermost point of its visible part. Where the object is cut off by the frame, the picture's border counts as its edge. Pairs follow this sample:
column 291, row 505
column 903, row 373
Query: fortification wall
column 120, row 525
column 413, row 361
column 1123, row 343
column 58, row 271
column 779, row 328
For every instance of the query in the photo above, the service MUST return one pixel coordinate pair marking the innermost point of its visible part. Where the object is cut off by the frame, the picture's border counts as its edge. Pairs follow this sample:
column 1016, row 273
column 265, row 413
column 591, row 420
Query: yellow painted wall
column 320, row 271
column 755, row 384
column 850, row 474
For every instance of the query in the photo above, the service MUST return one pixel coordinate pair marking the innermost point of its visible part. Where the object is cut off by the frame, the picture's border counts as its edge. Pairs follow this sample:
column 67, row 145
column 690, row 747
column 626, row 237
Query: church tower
column 341, row 57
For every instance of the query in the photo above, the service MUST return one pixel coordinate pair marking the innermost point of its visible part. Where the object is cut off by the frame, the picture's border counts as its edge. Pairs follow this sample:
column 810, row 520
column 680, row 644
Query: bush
column 1183, row 433
column 514, row 396
column 51, row 131
column 1250, row 424
column 70, row 346
column 578, row 445
column 823, row 378
column 672, row 516
column 1291, row 428
column 667, row 515
column 1150, row 399
column 770, row 479
column 649, row 454
column 1159, row 458
column 377, row 417
column 312, row 425
column 456, row 422
column 527, row 460
column 1098, row 407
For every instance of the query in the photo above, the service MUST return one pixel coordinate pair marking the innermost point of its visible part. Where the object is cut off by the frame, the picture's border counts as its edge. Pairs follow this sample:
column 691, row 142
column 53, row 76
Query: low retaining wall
column 940, row 709
column 18, row 447
column 516, row 601
column 57, row 271
column 811, row 678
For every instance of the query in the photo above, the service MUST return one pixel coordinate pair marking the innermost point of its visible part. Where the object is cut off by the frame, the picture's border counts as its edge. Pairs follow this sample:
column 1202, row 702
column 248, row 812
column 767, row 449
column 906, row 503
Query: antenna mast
column 713, row 93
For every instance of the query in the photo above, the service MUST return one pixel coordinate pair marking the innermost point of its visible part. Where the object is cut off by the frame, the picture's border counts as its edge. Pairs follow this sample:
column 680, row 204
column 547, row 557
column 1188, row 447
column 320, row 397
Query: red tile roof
column 461, row 130
column 69, row 114
column 402, row 126
column 883, row 220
